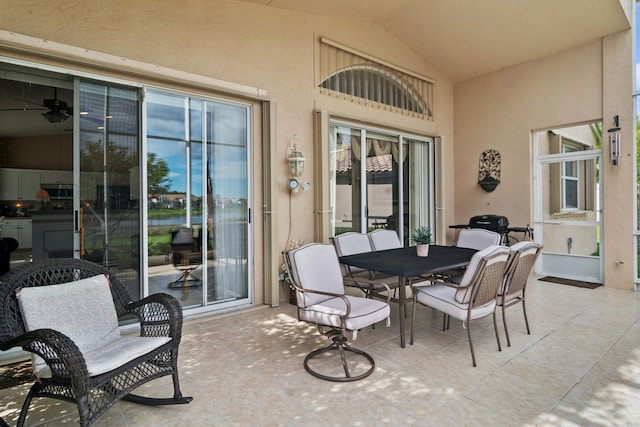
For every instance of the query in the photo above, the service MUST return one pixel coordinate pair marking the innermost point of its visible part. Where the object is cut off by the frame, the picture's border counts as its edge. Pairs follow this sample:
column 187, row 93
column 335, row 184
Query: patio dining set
column 467, row 281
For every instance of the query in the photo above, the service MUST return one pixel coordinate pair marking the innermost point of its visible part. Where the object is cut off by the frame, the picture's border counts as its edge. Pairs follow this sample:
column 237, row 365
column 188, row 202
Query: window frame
column 323, row 222
column 567, row 178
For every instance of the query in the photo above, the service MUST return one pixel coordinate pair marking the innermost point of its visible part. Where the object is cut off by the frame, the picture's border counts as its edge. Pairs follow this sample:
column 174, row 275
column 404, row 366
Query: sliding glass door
column 154, row 187
column 198, row 199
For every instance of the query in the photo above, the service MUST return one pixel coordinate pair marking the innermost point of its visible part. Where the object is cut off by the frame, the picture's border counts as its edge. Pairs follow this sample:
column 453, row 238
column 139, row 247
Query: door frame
column 568, row 266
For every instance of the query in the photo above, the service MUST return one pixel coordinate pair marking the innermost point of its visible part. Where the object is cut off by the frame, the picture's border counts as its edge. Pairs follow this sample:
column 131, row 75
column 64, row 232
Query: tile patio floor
column 579, row 367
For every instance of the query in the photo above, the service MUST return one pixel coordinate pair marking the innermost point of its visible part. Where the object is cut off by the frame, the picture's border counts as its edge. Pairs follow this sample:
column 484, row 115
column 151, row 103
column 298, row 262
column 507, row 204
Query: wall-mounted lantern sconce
column 489, row 171
column 296, row 162
column 296, row 168
column 614, row 142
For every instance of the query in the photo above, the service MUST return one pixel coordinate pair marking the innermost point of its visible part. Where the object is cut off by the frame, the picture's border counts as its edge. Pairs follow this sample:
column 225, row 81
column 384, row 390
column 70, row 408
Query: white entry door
column 567, row 202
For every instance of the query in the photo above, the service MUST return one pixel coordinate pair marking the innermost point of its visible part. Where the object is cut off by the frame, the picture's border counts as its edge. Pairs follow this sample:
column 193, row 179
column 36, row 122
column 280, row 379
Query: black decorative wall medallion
column 489, row 174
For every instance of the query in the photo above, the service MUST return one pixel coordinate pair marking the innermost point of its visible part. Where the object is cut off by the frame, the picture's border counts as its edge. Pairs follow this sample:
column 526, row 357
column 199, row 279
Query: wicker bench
column 73, row 377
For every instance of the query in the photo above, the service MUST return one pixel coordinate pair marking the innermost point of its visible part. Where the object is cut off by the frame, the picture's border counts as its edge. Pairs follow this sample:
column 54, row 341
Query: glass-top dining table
column 406, row 265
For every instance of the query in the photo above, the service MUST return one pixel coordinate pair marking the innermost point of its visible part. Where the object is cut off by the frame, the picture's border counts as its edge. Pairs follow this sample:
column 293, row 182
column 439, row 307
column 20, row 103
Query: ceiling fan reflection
column 57, row 111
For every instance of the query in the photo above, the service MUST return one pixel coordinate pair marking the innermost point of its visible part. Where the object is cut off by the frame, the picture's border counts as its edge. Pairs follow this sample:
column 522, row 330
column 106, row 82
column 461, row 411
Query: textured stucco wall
column 501, row 110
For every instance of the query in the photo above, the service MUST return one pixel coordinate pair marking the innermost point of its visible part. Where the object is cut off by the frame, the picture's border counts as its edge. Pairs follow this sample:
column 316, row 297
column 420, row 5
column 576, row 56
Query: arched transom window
column 365, row 80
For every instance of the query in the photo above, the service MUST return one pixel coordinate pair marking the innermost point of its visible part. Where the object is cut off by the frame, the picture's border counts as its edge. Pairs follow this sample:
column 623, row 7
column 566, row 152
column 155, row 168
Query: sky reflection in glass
column 171, row 118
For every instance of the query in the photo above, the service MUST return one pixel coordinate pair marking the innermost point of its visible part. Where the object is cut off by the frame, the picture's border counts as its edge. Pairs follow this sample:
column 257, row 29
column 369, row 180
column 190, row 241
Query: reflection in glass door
column 174, row 220
column 382, row 178
column 198, row 206
column 391, row 189
column 346, row 174
column 107, row 202
column 418, row 186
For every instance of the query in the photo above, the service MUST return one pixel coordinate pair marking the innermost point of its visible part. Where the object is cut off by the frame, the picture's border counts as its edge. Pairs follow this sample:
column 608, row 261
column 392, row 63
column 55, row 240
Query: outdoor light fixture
column 295, row 159
column 296, row 167
column 614, row 142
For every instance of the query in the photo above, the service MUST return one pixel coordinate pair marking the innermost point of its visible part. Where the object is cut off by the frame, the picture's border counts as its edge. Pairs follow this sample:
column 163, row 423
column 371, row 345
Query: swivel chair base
column 339, row 343
column 186, row 280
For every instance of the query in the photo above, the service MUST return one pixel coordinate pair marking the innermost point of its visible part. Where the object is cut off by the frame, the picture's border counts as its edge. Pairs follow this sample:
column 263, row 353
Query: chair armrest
column 160, row 315
column 329, row 294
column 359, row 281
column 60, row 354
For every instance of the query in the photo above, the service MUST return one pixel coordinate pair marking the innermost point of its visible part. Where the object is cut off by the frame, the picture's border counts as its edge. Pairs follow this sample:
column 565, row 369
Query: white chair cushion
column 364, row 312
column 82, row 310
column 463, row 295
column 317, row 268
column 120, row 351
column 353, row 243
column 442, row 298
column 384, row 239
column 477, row 238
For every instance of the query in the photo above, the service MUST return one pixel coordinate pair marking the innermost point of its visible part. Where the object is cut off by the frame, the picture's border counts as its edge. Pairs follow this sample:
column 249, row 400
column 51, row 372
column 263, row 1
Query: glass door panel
column 382, row 172
column 107, row 202
column 419, row 186
column 346, row 174
column 198, row 199
column 174, row 211
column 227, row 187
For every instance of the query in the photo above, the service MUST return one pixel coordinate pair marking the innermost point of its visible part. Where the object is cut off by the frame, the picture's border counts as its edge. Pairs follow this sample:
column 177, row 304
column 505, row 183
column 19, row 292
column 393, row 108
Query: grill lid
column 496, row 223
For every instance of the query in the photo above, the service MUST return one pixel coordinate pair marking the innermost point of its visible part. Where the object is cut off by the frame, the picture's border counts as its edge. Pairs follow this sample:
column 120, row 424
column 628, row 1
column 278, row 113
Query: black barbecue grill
column 498, row 224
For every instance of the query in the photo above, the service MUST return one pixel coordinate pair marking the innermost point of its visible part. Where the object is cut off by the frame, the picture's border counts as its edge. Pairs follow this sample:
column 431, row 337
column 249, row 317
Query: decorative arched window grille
column 354, row 76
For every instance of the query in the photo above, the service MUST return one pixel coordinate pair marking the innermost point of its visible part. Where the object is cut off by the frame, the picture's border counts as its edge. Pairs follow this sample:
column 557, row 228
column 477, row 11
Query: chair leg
column 504, row 322
column 344, row 360
column 177, row 393
column 445, row 322
column 473, row 354
column 83, row 409
column 526, row 321
column 369, row 295
column 25, row 405
column 413, row 318
column 495, row 328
